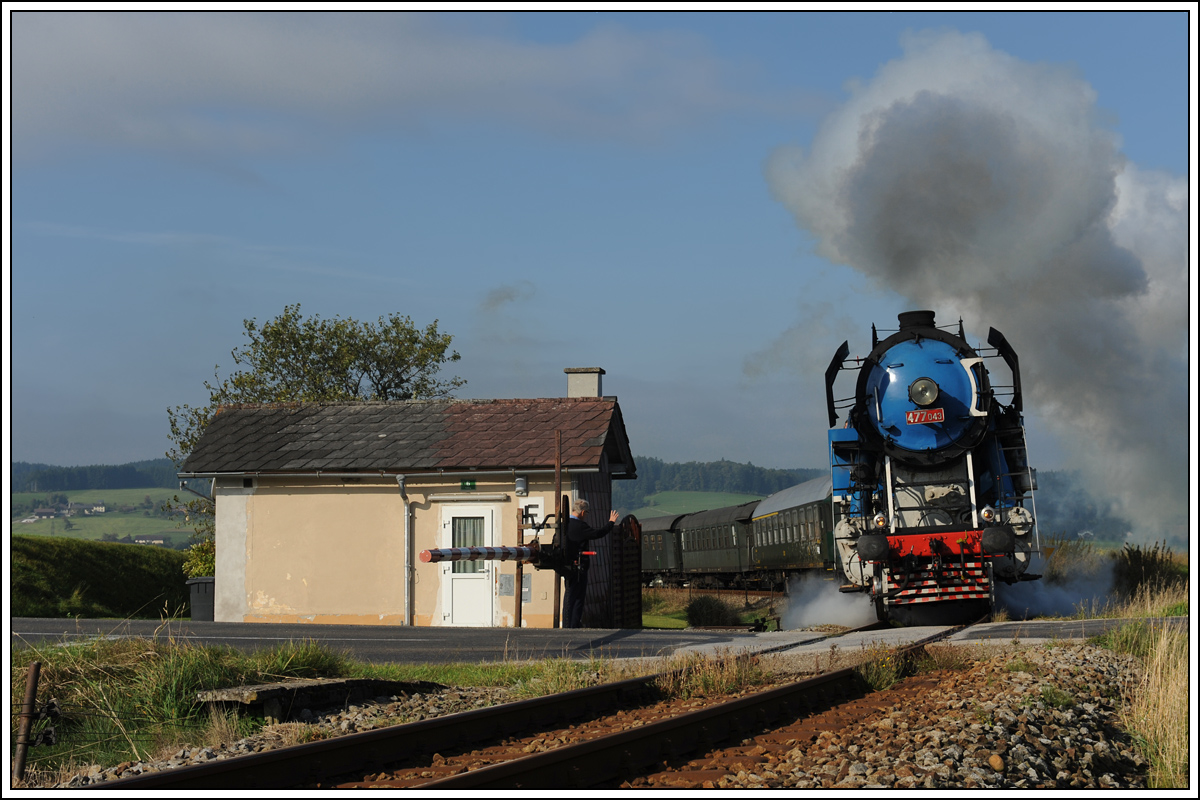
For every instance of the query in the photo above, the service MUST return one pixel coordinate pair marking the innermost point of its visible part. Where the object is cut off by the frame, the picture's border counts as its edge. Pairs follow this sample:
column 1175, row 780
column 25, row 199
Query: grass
column 1157, row 713
column 881, row 667
column 692, row 675
column 1072, row 559
column 944, row 656
column 1019, row 664
column 1056, row 698
column 119, row 525
column 124, row 699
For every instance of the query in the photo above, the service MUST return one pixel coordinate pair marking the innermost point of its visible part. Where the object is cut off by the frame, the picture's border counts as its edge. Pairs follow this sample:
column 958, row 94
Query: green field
column 120, row 525
column 112, row 523
column 114, row 497
column 665, row 503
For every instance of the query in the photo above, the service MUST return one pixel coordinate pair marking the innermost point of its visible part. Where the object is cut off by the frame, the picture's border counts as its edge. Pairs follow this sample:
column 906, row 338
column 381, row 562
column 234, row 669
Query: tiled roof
column 412, row 436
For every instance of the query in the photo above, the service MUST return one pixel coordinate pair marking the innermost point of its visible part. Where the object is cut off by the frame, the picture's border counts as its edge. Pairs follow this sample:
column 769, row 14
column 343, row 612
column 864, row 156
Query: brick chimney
column 584, row 381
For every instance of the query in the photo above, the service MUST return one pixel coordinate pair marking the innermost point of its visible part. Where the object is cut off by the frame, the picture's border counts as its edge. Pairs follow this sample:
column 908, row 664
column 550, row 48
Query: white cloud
column 256, row 83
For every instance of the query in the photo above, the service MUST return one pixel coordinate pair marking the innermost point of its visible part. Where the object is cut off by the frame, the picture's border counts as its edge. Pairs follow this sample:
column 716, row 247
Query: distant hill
column 157, row 473
column 729, row 477
column 665, row 504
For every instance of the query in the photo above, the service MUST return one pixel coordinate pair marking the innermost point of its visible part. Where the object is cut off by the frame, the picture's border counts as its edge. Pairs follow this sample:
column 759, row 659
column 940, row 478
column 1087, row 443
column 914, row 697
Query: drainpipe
column 408, row 568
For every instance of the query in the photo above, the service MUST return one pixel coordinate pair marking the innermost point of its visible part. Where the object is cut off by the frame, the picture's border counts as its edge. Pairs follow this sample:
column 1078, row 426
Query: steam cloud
column 979, row 185
column 814, row 600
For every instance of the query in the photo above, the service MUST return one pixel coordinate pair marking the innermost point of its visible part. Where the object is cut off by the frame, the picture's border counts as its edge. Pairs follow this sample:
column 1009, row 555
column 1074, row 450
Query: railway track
column 603, row 736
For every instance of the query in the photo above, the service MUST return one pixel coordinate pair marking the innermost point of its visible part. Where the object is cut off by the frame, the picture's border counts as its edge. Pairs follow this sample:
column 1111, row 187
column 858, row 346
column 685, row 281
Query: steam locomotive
column 929, row 499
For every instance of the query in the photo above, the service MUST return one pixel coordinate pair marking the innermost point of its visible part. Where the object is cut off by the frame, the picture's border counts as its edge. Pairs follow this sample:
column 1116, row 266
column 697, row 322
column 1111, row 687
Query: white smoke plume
column 813, row 600
column 982, row 186
column 1087, row 590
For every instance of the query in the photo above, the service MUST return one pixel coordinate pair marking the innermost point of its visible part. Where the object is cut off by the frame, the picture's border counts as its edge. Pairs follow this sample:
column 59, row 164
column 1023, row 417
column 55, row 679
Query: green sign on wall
column 468, row 486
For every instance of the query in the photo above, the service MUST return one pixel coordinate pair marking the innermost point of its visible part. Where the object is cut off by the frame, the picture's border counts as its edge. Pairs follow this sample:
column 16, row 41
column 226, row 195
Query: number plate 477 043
column 925, row 416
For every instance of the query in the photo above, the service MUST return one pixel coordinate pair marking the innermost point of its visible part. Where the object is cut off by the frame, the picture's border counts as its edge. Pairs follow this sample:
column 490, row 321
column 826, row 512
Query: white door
column 467, row 586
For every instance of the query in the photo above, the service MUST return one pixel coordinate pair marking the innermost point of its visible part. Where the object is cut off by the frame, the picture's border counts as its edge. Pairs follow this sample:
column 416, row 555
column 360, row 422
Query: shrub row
column 57, row 577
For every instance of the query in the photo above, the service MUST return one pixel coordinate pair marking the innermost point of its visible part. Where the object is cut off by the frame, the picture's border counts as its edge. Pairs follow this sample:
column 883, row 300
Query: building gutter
column 408, row 565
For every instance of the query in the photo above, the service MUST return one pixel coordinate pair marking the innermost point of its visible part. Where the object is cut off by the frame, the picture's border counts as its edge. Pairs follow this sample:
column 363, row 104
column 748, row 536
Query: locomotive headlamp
column 988, row 514
column 881, row 521
column 923, row 392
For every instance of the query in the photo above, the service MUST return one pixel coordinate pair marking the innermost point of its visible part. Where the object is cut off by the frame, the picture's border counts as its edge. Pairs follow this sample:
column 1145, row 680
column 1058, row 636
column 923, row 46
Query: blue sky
column 557, row 189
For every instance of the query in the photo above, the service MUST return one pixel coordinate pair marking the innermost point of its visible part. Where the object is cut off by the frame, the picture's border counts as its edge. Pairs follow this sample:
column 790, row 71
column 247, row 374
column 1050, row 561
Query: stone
column 996, row 763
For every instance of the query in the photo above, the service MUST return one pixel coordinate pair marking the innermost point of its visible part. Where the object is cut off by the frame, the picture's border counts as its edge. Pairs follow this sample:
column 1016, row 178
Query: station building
column 323, row 508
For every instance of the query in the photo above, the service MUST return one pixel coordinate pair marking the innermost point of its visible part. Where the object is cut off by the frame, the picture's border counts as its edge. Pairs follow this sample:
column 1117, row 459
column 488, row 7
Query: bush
column 201, row 558
column 707, row 610
column 57, row 577
column 1152, row 567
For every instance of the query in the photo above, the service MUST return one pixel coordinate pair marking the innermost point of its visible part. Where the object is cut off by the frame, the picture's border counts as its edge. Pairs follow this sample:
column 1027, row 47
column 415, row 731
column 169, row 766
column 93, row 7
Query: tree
column 293, row 358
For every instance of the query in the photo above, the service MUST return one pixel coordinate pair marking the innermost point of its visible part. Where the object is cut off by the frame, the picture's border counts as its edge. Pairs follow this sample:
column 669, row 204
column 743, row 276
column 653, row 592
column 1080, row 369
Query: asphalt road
column 391, row 644
column 401, row 645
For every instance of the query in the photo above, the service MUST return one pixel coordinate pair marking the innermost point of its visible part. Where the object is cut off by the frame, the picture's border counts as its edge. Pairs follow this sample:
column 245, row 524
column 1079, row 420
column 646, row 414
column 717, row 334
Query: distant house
column 323, row 508
column 149, row 539
column 45, row 513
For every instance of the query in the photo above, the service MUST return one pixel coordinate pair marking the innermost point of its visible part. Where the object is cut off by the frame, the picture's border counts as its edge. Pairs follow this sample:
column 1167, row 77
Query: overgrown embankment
column 57, row 577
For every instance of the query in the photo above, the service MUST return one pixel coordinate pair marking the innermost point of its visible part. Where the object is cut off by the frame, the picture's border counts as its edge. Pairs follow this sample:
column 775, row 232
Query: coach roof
column 798, row 495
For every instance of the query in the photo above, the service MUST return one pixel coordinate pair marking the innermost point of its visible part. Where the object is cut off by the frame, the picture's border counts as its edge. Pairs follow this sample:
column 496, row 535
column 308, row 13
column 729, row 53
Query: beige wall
column 332, row 551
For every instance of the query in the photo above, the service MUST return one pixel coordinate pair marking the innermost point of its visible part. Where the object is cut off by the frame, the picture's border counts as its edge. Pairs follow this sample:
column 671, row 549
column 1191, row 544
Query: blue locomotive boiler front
column 927, row 398
column 922, row 394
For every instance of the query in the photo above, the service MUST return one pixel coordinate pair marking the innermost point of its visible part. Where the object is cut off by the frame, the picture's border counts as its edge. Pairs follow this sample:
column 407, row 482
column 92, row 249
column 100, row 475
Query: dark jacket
column 578, row 534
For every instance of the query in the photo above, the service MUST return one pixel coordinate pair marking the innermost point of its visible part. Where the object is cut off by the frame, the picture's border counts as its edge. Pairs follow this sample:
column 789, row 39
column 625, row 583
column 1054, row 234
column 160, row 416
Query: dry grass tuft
column 946, row 656
column 293, row 733
column 694, row 675
column 1158, row 711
